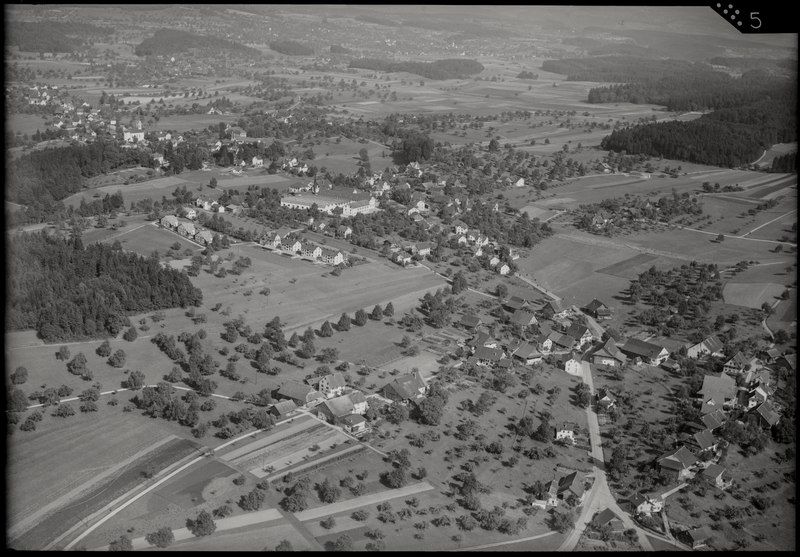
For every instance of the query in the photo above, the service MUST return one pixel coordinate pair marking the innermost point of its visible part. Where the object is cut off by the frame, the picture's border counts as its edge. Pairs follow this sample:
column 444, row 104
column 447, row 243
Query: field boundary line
column 169, row 471
column 509, row 542
column 318, row 461
column 363, row 501
column 13, row 531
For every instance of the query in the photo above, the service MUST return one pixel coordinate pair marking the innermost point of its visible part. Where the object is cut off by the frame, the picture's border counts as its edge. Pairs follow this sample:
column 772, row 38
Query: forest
column 453, row 68
column 291, row 48
column 785, row 163
column 52, row 36
column 172, row 41
column 43, row 177
column 66, row 291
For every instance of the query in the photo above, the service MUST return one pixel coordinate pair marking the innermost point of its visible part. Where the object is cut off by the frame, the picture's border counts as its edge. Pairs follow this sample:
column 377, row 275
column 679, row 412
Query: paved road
column 766, row 223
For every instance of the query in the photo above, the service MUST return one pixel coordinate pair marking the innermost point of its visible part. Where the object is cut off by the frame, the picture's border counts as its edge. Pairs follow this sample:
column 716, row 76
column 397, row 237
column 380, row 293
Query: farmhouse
column 715, row 475
column 717, row 392
column 712, row 345
column 698, row 537
column 557, row 341
column 647, row 352
column 354, row 424
column 713, row 419
column 487, row 356
column 646, row 505
column 571, row 484
column 573, row 366
column 736, row 365
column 567, row 431
column 291, row 244
column 204, row 203
column 283, row 408
column 767, row 416
column 597, row 309
column 170, row 221
column 190, row 213
column 705, row 441
column 607, row 519
column 406, row 388
column 553, row 309
column 523, row 318
column 528, row 353
column 331, row 385
column 186, row 229
column 515, row 303
column 605, row 400
column 334, row 409
column 677, row 463
column 299, row 393
column 580, row 333
column 609, row 355
column 504, row 269
column 204, row 237
column 470, row 321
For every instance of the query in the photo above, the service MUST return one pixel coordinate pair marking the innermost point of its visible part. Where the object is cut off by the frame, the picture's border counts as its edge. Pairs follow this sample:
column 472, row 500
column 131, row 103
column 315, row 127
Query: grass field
column 154, row 189
column 149, row 237
column 25, row 123
column 751, row 295
column 64, row 453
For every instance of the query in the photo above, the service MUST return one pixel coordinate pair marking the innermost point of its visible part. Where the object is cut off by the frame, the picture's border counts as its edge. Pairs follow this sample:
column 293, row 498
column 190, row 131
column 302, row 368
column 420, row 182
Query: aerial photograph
column 399, row 277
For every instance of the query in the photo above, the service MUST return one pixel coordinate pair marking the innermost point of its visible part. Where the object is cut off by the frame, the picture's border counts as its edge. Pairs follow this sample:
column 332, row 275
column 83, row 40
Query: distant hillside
column 453, row 68
column 52, row 36
column 338, row 49
column 291, row 48
column 169, row 41
column 743, row 64
column 623, row 69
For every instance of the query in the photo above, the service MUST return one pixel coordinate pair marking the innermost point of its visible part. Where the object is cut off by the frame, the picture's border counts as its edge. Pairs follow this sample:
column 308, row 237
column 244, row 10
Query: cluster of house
column 564, row 333
column 565, row 486
column 215, row 207
column 329, row 199
column 188, row 229
column 290, row 242
column 332, row 400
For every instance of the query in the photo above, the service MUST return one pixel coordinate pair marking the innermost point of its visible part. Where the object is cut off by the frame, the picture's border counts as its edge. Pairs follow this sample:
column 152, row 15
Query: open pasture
column 147, row 238
column 65, row 454
column 776, row 150
column 25, row 123
column 154, row 189
column 305, row 294
column 753, row 294
column 255, row 538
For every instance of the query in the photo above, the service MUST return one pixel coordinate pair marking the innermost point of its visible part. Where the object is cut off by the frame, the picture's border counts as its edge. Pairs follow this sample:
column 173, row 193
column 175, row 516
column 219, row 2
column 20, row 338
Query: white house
column 573, row 366
column 504, row 269
column 190, row 213
column 567, row 432
column 170, row 221
column 332, row 385
column 331, row 256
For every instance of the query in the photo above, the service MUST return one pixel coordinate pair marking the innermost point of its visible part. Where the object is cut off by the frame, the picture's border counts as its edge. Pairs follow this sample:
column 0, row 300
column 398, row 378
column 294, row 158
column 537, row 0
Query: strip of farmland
column 60, row 521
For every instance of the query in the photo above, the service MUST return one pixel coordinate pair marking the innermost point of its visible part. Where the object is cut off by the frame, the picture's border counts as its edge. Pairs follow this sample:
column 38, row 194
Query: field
column 775, row 151
column 150, row 237
column 71, row 454
column 154, row 189
column 25, row 123
column 751, row 295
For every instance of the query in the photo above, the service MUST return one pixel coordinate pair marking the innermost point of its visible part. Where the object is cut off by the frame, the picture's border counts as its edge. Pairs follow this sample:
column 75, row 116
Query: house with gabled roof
column 767, row 416
column 559, row 341
column 187, row 229
column 597, row 309
column 566, row 432
column 645, row 504
column 283, row 408
column 607, row 519
column 647, row 352
column 605, row 400
column 459, row 227
column 580, row 333
column 204, row 237
column 310, row 250
column 715, row 475
column 300, row 393
column 677, row 463
column 712, row 345
column 331, row 256
column 571, row 484
column 470, row 321
column 515, row 303
column 698, row 537
column 523, row 318
column 332, row 385
column 488, row 356
column 705, row 441
column 527, row 353
column 334, row 409
column 736, row 365
column 291, row 244
column 714, row 419
column 717, row 392
column 410, row 387
column 170, row 221
column 354, row 424
column 609, row 355
column 554, row 309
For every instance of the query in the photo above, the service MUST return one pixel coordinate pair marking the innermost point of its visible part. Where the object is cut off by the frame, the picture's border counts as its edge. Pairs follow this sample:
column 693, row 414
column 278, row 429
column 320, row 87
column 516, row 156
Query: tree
column 329, row 355
column 17, row 400
column 342, row 543
column 562, row 521
column 396, row 477
column 431, row 410
column 396, row 413
column 502, row 291
column 326, row 330
column 377, row 313
column 131, row 334
column 252, row 501
column 19, row 376
column 285, row 545
column 77, row 366
column 328, row 492
column 203, row 525
column 104, row 350
column 344, row 322
column 388, row 311
column 64, row 410
column 361, row 318
column 459, row 283
column 123, row 543
column 163, row 537
column 117, row 359
column 135, row 380
column 62, row 354
column 721, row 238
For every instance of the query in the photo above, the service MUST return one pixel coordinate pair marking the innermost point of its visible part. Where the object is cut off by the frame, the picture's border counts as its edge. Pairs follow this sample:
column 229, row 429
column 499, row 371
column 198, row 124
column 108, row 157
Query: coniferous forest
column 66, row 291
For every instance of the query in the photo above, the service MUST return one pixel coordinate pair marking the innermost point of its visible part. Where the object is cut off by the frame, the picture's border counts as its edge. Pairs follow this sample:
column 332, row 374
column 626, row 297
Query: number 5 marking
column 753, row 17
